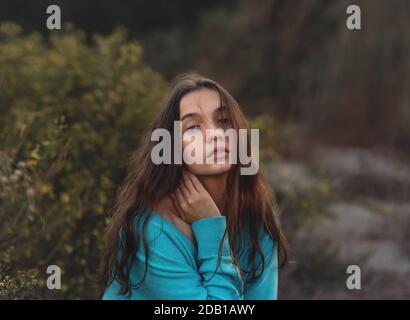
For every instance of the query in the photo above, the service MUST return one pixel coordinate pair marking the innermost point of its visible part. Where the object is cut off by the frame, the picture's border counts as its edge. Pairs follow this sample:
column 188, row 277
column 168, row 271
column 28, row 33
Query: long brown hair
column 249, row 196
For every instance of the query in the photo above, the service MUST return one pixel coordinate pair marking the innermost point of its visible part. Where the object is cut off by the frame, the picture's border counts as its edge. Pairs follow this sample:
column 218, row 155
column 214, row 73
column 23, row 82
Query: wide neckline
column 174, row 228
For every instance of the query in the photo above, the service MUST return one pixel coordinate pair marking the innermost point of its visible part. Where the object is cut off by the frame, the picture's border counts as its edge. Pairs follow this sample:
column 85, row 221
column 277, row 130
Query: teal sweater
column 177, row 269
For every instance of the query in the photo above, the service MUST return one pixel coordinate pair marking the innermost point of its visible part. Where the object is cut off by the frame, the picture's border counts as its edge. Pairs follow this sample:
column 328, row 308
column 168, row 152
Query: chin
column 210, row 169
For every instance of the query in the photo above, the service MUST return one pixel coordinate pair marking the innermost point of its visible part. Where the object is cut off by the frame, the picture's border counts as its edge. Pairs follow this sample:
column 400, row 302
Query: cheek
column 194, row 144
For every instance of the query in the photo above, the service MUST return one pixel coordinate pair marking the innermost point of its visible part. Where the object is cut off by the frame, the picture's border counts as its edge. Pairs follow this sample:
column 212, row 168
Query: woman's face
column 201, row 110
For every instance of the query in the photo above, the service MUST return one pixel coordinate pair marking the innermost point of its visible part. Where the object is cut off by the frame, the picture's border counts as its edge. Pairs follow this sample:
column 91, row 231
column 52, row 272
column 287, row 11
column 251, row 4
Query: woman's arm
column 171, row 276
column 266, row 286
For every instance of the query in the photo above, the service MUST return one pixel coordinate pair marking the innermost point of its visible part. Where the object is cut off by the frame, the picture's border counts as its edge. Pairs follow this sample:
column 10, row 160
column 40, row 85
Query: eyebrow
column 193, row 114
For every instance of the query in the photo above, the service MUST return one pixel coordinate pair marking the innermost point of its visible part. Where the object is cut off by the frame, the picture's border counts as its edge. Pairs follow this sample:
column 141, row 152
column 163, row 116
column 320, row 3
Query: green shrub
column 71, row 111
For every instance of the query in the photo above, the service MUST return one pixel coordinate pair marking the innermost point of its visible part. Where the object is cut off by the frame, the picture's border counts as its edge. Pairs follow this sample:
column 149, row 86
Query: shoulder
column 151, row 225
column 157, row 227
column 267, row 242
column 164, row 245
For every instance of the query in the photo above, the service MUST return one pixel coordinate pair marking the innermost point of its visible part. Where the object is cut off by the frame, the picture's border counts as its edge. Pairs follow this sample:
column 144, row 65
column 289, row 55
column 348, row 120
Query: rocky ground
column 367, row 223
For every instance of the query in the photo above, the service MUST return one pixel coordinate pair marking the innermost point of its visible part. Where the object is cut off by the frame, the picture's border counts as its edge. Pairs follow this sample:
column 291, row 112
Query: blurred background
column 332, row 104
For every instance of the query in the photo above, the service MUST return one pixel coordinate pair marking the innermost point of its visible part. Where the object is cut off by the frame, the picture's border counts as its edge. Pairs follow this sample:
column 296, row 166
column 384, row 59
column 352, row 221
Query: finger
column 184, row 190
column 180, row 199
column 175, row 203
column 197, row 184
column 189, row 184
column 171, row 196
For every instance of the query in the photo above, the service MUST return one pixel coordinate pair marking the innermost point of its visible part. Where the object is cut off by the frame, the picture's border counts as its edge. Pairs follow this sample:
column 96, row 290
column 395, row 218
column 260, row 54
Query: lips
column 220, row 152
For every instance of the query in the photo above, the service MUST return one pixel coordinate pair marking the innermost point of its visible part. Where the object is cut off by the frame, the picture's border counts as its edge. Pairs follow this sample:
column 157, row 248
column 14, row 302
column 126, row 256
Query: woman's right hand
column 192, row 200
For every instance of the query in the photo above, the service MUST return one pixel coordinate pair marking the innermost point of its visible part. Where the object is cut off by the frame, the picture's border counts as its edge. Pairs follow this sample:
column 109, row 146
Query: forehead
column 200, row 101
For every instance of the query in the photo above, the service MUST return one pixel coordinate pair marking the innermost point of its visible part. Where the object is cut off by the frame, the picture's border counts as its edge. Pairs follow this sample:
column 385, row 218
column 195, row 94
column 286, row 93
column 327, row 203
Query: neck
column 216, row 187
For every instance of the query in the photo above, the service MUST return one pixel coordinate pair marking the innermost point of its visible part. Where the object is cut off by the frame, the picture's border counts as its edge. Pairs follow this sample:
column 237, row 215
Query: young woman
column 193, row 231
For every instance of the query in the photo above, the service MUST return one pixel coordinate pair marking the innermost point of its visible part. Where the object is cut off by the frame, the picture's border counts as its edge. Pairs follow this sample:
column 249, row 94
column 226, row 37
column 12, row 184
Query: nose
column 213, row 134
